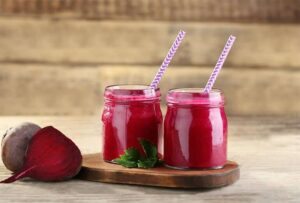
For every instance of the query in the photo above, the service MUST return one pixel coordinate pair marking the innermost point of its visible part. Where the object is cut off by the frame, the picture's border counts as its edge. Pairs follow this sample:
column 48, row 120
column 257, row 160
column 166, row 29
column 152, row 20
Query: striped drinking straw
column 167, row 60
column 219, row 64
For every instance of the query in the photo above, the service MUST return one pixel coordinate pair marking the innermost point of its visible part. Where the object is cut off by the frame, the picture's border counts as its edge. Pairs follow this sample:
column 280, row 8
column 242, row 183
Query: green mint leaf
column 131, row 154
column 149, row 149
column 126, row 163
column 133, row 159
column 129, row 158
column 148, row 163
column 151, row 155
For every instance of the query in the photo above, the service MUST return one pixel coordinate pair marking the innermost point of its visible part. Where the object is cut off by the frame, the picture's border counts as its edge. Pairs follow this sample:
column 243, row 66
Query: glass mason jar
column 131, row 112
column 195, row 129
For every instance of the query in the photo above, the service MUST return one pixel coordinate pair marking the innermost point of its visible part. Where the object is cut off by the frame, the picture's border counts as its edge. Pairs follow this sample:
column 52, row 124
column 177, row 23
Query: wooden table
column 268, row 150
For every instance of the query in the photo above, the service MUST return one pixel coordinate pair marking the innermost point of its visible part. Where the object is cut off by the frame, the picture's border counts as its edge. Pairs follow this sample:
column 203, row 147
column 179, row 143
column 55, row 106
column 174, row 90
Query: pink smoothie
column 195, row 134
column 131, row 112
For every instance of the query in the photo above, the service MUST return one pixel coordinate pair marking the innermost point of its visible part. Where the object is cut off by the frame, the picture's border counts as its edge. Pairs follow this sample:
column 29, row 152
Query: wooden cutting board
column 95, row 169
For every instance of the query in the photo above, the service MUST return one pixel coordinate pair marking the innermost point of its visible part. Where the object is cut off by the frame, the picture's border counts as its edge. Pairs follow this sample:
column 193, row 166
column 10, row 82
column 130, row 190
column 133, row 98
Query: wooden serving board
column 95, row 169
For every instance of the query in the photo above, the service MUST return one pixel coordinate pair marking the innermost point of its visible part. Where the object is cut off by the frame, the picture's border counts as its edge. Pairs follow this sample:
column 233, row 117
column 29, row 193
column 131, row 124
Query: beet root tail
column 22, row 174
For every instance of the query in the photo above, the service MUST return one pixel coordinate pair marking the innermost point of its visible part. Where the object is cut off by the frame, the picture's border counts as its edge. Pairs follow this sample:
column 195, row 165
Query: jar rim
column 128, row 92
column 195, row 96
column 192, row 90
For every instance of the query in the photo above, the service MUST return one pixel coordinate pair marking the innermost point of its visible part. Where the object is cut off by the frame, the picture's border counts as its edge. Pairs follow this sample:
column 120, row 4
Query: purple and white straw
column 219, row 64
column 167, row 60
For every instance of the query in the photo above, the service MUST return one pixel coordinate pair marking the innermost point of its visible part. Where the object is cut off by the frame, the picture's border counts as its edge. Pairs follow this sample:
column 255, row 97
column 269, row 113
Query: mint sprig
column 133, row 159
column 129, row 158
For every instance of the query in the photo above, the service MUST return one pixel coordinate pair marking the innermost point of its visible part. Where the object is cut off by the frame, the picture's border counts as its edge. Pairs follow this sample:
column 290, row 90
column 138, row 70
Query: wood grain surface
column 266, row 148
column 95, row 169
column 166, row 10
column 64, row 90
column 77, row 43
column 60, row 67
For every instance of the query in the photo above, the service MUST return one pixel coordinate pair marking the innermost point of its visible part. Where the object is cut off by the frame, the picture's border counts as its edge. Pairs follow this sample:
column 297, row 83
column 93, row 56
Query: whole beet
column 50, row 156
column 14, row 145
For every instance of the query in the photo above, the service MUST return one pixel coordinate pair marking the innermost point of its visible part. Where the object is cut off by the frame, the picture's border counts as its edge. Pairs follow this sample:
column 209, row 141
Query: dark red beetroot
column 51, row 156
column 15, row 143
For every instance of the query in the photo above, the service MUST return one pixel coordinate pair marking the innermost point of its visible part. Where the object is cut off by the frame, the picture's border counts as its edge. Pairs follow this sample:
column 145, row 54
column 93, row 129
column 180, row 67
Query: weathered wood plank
column 266, row 148
column 92, row 42
column 167, row 10
column 247, row 91
column 32, row 89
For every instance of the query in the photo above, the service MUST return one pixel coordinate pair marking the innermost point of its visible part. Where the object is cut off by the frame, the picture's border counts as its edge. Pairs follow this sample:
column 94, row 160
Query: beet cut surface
column 51, row 156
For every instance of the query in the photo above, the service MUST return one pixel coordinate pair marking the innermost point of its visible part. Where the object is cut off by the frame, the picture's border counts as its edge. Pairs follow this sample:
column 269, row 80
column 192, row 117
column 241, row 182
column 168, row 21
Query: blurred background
column 56, row 56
